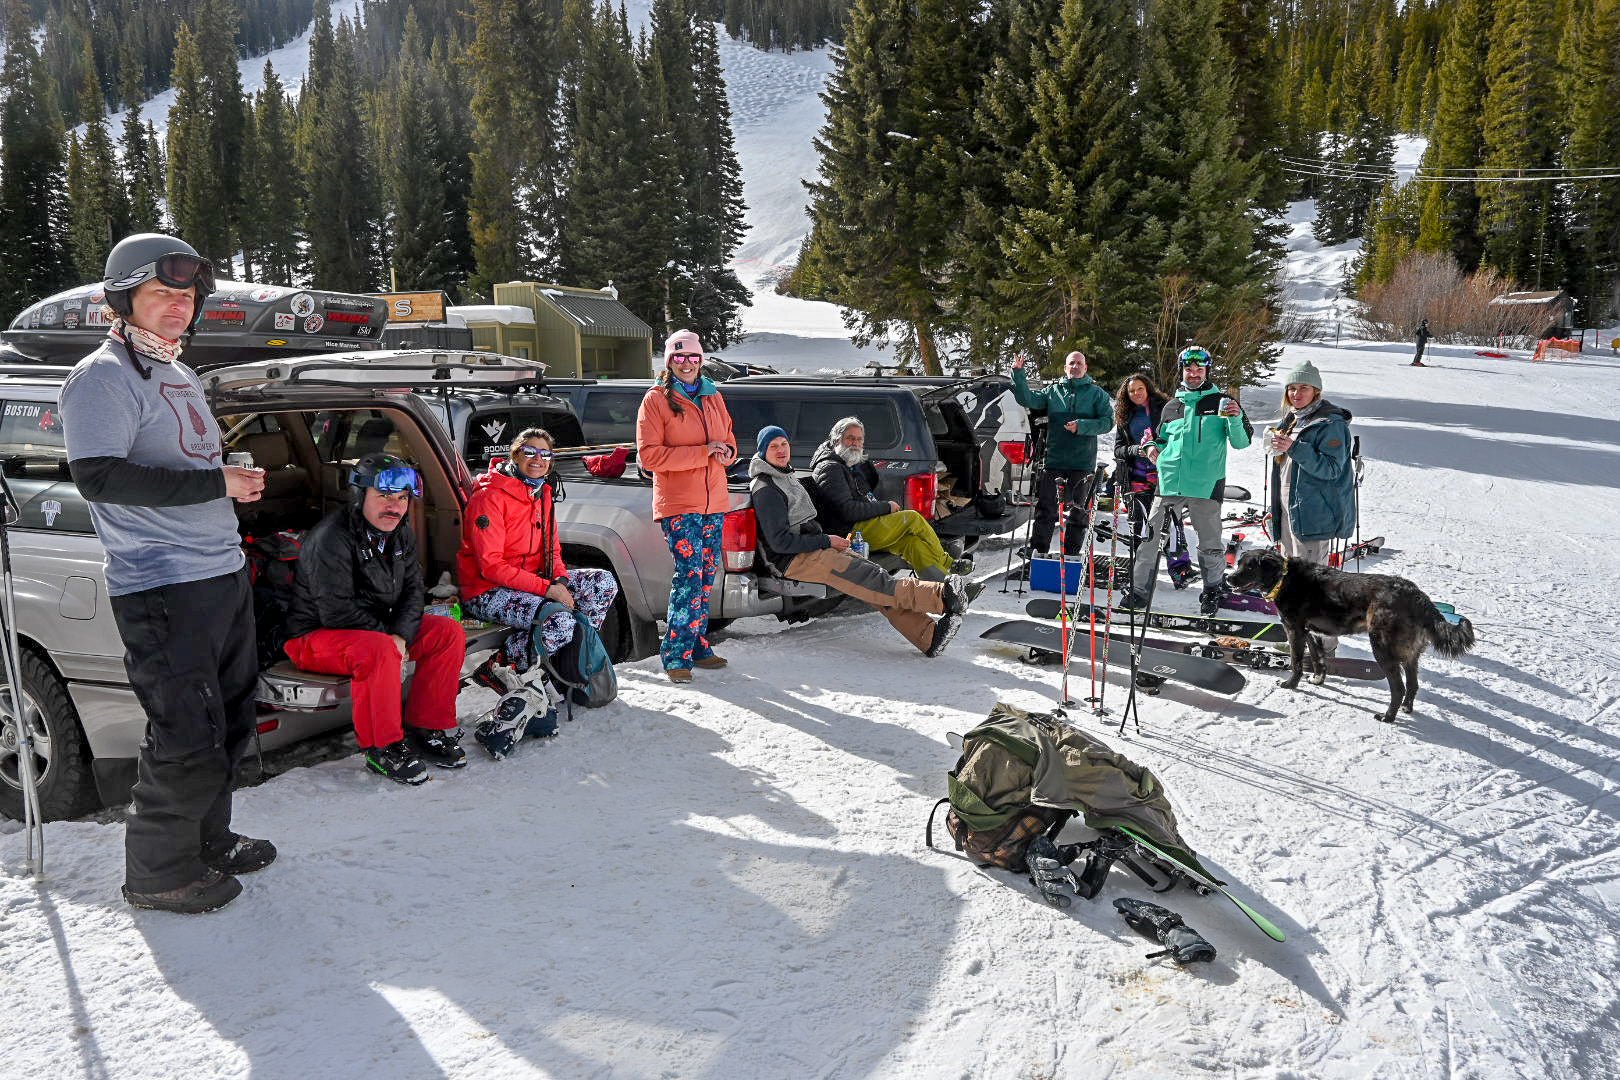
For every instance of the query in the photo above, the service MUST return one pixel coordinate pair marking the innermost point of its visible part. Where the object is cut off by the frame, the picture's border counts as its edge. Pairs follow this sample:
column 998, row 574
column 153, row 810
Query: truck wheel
column 61, row 766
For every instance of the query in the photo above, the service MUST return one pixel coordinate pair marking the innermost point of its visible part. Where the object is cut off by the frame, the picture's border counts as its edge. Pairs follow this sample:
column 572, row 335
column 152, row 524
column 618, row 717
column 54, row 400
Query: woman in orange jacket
column 684, row 438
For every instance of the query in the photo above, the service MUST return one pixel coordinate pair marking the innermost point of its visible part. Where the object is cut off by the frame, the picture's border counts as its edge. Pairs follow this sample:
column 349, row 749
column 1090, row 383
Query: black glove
column 1047, row 871
column 1181, row 942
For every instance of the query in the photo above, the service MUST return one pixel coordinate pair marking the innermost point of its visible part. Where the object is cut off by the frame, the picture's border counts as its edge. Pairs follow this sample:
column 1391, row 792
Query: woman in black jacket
column 1137, row 406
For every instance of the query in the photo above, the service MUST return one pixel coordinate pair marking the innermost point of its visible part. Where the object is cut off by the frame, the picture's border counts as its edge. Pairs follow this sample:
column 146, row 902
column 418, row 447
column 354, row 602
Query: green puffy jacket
column 1069, row 399
column 1192, row 439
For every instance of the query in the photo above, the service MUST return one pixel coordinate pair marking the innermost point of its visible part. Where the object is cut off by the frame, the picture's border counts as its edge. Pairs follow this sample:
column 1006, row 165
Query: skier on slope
column 1423, row 336
column 1189, row 449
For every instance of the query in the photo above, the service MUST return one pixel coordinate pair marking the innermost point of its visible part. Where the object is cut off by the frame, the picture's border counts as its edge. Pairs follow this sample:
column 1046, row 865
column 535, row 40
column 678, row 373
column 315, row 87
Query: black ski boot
column 210, row 892
column 1181, row 942
column 945, row 628
column 1133, row 600
column 436, row 747
column 1209, row 601
column 238, row 854
column 962, row 566
column 398, row 762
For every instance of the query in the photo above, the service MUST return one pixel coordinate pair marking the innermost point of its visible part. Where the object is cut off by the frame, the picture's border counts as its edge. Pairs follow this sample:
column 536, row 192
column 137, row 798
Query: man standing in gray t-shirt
column 145, row 451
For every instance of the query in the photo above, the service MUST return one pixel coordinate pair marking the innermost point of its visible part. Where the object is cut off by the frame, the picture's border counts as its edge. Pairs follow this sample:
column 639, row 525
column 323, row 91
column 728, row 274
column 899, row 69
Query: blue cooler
column 1043, row 575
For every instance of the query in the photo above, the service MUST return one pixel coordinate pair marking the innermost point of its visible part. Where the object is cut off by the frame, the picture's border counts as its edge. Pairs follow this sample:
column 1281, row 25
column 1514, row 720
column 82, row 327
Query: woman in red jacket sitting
column 511, row 561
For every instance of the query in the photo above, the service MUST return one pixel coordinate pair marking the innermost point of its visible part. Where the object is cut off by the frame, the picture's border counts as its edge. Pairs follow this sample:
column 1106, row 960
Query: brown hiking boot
column 210, row 892
column 712, row 662
column 679, row 674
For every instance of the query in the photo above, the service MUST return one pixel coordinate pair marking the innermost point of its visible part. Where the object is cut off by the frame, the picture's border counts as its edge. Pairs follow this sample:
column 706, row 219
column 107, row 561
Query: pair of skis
column 1199, row 671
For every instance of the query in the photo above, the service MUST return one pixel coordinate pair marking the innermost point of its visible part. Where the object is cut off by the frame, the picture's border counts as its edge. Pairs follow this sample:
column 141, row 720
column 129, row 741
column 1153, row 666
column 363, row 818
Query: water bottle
column 857, row 544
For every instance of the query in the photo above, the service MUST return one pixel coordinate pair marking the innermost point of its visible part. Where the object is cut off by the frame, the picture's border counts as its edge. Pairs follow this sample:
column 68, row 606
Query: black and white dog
column 1396, row 615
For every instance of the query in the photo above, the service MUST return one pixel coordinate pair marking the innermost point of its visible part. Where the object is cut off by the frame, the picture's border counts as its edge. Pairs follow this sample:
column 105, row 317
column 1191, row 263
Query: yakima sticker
column 313, row 324
column 286, row 320
column 348, row 317
column 228, row 316
column 303, row 305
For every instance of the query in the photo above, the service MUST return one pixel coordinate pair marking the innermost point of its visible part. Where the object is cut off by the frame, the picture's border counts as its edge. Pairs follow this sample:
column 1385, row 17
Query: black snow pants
column 1077, row 494
column 192, row 660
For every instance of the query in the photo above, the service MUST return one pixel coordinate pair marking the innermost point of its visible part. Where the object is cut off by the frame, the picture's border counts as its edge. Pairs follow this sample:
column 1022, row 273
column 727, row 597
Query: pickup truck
column 920, row 439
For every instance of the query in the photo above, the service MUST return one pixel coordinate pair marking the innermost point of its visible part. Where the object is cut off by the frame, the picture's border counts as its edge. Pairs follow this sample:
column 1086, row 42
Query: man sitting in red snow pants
column 357, row 611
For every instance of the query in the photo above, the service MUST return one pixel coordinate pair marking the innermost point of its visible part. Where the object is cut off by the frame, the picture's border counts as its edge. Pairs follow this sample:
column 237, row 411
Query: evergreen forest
column 1019, row 174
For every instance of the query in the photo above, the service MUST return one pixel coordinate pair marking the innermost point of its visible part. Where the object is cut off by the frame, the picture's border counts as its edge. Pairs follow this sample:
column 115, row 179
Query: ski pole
column 1063, row 584
column 1108, row 621
column 15, row 703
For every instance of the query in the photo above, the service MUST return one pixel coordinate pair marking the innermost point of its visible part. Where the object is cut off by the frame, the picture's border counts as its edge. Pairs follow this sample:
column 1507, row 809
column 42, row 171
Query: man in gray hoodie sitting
column 794, row 546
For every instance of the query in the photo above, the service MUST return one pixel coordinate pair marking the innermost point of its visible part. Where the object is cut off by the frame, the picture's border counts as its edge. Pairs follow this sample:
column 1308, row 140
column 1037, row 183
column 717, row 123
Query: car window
column 490, row 431
column 817, row 415
column 348, row 435
column 609, row 416
column 34, row 455
column 749, row 414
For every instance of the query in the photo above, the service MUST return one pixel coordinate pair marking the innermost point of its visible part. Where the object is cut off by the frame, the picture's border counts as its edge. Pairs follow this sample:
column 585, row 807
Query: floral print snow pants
column 594, row 591
column 694, row 544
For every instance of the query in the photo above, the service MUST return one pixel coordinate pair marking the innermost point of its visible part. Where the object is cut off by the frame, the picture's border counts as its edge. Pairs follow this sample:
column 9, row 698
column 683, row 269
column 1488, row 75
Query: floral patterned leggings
column 594, row 591
column 694, row 544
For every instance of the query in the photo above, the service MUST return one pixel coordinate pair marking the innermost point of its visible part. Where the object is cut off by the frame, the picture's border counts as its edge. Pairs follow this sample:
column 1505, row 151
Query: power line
column 1337, row 170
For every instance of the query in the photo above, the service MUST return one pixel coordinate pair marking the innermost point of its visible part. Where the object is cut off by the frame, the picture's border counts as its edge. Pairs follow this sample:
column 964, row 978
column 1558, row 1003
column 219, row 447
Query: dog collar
column 1271, row 597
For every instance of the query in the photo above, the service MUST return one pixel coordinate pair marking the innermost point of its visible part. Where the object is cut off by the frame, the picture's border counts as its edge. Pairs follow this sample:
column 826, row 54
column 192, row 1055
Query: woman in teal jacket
column 1313, row 499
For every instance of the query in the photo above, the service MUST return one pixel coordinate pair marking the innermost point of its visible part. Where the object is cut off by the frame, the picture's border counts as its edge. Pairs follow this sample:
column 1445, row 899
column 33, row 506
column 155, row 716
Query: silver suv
column 305, row 421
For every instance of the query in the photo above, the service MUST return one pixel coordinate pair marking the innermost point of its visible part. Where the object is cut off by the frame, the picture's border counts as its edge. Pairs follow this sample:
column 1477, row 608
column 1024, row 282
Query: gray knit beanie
column 1305, row 372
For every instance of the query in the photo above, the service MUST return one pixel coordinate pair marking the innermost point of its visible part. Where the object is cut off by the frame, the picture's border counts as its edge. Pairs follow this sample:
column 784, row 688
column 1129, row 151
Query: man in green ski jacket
column 1077, row 411
column 1189, row 448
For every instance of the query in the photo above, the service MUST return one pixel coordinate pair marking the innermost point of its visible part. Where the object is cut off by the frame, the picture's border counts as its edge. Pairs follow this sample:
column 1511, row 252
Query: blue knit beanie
column 766, row 434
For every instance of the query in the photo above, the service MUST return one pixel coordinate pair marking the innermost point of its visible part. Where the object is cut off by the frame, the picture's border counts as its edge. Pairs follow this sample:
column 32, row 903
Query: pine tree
column 892, row 185
column 495, row 220
column 607, row 235
column 1246, row 27
column 1391, row 233
column 215, row 29
column 276, row 186
column 98, row 207
column 342, row 214
column 1451, row 211
column 33, row 253
column 1210, row 267
column 1068, row 229
column 142, row 177
column 196, row 198
column 716, row 224
column 1364, row 145
column 1519, row 124
column 1594, row 142
column 421, row 255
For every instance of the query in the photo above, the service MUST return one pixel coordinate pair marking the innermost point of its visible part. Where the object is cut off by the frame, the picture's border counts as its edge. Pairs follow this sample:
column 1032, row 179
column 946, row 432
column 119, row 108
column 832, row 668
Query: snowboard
column 1252, row 629
column 1199, row 671
column 1201, row 879
column 1239, row 651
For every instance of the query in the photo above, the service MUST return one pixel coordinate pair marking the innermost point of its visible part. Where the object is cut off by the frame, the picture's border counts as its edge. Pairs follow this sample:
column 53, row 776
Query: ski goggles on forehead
column 541, row 452
column 1194, row 356
column 178, row 271
column 396, row 480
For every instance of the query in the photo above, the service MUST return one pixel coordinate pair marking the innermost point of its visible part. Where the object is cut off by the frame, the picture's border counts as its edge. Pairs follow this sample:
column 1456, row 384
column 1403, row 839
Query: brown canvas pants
column 905, row 602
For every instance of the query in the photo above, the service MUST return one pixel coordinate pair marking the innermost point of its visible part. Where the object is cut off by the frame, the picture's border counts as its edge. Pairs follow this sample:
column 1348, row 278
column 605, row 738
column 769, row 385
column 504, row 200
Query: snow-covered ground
column 729, row 880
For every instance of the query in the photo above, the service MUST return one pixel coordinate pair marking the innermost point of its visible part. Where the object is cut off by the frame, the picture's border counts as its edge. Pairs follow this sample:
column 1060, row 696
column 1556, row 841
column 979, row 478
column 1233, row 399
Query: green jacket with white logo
column 1069, row 399
column 1193, row 438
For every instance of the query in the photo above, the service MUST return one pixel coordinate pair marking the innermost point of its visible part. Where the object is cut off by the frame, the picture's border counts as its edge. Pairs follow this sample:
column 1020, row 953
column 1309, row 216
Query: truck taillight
column 1013, row 451
column 738, row 534
column 920, row 492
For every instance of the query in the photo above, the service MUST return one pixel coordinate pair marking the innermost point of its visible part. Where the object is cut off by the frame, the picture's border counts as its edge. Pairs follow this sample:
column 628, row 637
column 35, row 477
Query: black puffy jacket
column 345, row 583
column 843, row 494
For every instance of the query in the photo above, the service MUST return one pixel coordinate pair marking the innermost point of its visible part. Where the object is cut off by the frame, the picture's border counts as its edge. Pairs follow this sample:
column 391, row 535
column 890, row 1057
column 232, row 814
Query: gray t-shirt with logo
column 108, row 410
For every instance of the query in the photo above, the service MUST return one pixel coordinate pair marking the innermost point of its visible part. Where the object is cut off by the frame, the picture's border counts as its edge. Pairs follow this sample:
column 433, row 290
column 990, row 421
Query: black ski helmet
column 385, row 472
column 144, row 257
